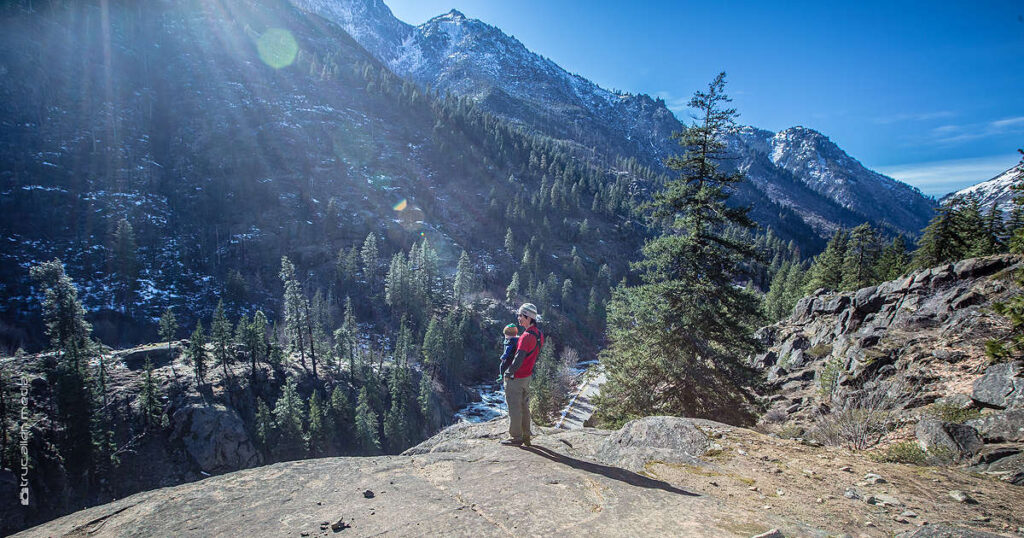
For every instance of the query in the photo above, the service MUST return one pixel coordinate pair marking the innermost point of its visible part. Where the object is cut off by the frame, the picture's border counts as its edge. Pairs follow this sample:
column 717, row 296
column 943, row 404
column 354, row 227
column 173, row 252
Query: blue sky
column 931, row 93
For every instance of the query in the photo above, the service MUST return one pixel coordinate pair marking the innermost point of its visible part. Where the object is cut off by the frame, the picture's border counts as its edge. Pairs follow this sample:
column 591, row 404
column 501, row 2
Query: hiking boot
column 512, row 442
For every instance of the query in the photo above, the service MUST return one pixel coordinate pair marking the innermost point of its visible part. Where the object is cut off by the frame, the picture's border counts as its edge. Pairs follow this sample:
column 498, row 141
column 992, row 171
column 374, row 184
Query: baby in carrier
column 511, row 333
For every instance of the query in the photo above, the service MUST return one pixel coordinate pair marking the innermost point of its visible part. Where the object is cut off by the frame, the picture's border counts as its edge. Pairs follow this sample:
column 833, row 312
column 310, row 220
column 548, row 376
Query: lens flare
column 277, row 47
column 400, row 206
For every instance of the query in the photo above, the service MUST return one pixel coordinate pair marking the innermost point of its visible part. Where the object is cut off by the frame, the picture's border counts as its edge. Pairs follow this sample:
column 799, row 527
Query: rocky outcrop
column 1001, row 387
column 693, row 478
column 956, row 439
column 215, row 438
column 925, row 334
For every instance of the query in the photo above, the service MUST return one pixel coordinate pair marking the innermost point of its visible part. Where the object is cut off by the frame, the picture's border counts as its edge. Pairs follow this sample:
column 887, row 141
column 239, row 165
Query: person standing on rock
column 517, row 377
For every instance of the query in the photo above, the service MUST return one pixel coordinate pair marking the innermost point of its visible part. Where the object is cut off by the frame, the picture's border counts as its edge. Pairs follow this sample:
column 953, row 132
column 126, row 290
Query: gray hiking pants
column 517, row 396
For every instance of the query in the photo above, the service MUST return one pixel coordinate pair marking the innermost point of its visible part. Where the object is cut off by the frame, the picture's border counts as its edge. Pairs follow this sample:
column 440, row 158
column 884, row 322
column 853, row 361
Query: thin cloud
column 938, row 178
column 678, row 105
column 906, row 118
column 953, row 134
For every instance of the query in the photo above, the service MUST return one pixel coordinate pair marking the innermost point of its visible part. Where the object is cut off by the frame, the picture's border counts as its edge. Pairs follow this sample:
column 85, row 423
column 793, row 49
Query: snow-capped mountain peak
column 998, row 190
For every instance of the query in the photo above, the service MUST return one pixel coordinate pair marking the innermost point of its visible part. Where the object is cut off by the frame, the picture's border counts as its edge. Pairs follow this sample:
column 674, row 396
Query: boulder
column 215, row 438
column 960, row 440
column 1004, row 427
column 868, row 300
column 158, row 355
column 666, row 439
column 1001, row 387
column 977, row 267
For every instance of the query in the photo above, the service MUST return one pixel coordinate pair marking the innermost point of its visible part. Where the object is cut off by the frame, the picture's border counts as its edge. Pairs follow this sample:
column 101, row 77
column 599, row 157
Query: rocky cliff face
column 909, row 352
column 657, row 476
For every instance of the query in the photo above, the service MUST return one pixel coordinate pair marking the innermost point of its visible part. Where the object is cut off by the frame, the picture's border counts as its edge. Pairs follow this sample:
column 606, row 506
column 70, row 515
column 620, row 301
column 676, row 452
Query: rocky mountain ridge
column 911, row 354
column 470, row 58
column 998, row 190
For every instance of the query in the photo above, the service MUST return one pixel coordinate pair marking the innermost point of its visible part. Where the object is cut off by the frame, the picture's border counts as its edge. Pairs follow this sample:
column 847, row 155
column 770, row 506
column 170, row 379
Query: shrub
column 952, row 413
column 860, row 419
column 828, row 378
column 775, row 416
column 902, row 452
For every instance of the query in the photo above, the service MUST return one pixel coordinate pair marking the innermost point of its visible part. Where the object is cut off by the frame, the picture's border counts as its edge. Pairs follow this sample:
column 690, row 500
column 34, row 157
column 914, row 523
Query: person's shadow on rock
column 614, row 473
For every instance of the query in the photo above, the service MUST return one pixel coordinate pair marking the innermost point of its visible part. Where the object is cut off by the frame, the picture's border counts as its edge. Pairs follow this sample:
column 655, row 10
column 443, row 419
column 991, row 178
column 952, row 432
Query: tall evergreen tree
column 677, row 341
column 342, row 416
column 366, row 424
column 371, row 262
column 220, row 334
column 295, row 308
column 62, row 312
column 941, row 242
column 197, row 354
column 265, row 426
column 125, row 264
column 433, row 346
column 316, row 437
column 289, row 414
column 69, row 333
column 463, row 279
column 894, row 260
column 827, row 269
column 512, row 292
column 862, row 251
column 149, row 398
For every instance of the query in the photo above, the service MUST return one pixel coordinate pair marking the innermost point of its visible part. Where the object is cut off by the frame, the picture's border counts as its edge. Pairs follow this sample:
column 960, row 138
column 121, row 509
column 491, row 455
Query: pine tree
column 197, row 354
column 342, row 416
column 463, row 279
column 345, row 339
column 289, row 414
column 566, row 294
column 396, row 423
column 149, row 398
column 677, row 341
column 371, row 262
column 974, row 228
column 433, row 346
column 512, row 292
column 168, row 327
column 125, row 264
column 256, row 341
column 295, row 307
column 1011, row 346
column 941, row 242
column 510, row 245
column 827, row 269
column 366, row 424
column 69, row 333
column 316, row 437
column 265, row 426
column 62, row 312
column 773, row 303
column 894, row 260
column 862, row 251
column 220, row 334
column 424, row 397
column 995, row 225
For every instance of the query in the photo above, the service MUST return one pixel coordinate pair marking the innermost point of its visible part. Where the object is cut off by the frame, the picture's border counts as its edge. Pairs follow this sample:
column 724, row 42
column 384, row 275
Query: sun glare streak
column 401, row 205
column 277, row 47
